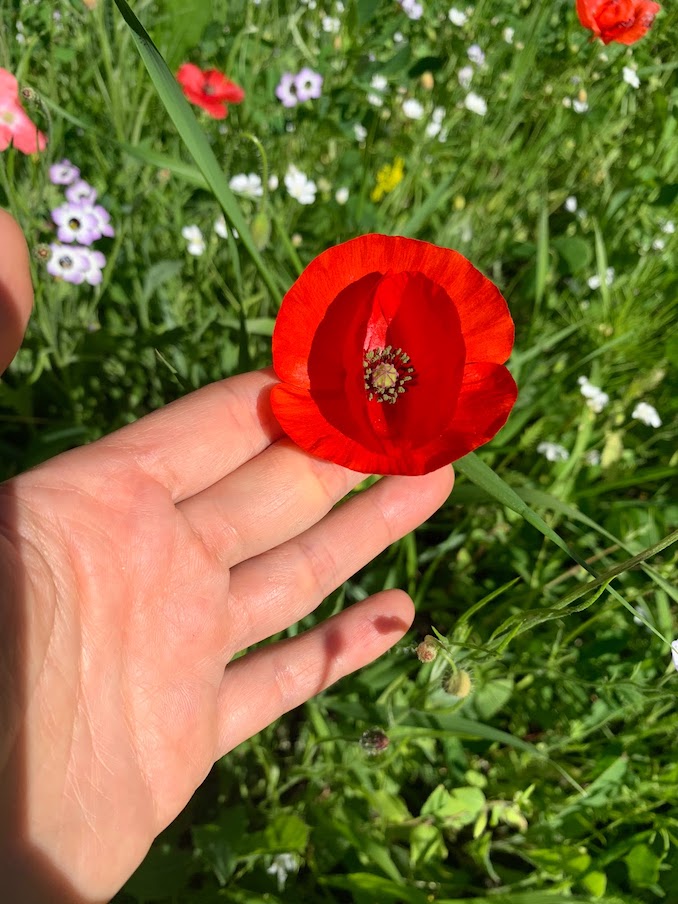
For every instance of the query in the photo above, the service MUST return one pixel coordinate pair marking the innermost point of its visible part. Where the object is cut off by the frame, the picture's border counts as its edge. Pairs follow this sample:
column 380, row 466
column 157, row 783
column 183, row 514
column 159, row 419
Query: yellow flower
column 388, row 177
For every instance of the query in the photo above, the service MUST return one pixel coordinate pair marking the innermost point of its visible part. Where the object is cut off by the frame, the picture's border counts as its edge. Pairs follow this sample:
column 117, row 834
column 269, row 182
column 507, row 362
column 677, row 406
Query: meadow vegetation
column 532, row 758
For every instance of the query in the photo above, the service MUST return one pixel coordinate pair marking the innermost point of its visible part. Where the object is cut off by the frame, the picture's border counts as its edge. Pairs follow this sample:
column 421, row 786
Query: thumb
column 16, row 292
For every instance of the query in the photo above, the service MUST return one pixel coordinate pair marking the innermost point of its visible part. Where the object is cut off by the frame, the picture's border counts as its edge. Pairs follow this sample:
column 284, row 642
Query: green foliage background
column 555, row 780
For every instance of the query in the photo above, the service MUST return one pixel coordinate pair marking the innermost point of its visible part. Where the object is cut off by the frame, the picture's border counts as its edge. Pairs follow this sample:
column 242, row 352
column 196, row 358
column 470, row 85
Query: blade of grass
column 484, row 477
column 194, row 138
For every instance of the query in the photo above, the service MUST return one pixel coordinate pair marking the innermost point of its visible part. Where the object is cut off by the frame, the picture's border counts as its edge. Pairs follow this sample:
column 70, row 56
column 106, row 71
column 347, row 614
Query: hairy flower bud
column 458, row 684
column 374, row 741
column 427, row 650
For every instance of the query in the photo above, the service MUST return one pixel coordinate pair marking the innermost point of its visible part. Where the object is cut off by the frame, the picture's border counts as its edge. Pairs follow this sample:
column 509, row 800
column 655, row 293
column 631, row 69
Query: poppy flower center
column 207, row 88
column 386, row 371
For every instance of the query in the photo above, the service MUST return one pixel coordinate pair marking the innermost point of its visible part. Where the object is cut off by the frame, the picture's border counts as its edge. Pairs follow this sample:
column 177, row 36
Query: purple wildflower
column 82, row 223
column 63, row 173
column 76, row 264
column 103, row 220
column 67, row 263
column 286, row 92
column 309, row 84
column 81, row 192
column 96, row 261
column 76, row 224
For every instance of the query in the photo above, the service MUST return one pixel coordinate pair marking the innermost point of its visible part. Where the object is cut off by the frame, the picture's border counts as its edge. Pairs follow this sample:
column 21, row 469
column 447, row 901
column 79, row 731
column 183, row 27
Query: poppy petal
column 486, row 324
column 303, row 422
column 488, row 392
column 372, row 347
column 25, row 134
column 190, row 77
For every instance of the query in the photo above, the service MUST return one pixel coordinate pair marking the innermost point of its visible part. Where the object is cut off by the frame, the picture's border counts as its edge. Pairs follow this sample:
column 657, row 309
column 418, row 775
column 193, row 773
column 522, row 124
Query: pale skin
column 131, row 572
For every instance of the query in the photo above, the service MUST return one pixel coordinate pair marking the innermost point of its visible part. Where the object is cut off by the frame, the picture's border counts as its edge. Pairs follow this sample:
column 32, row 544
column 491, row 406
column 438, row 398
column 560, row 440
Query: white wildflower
column 630, row 76
column 475, row 54
column 412, row 108
column 331, row 24
column 668, row 227
column 360, row 132
column 465, row 75
column 299, row 186
column 412, row 9
column 596, row 399
column 595, row 283
column 592, row 457
column 247, row 185
column 281, row 866
column 571, row 204
column 553, row 451
column 195, row 239
column 341, row 196
column 647, row 414
column 475, row 103
column 457, row 17
column 507, row 34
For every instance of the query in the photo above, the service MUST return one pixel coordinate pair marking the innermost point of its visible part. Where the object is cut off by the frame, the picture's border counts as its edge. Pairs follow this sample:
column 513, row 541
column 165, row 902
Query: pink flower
column 15, row 126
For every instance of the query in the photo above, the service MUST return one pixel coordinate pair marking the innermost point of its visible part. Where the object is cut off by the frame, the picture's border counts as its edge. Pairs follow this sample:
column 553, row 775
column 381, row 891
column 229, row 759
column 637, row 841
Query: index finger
column 192, row 443
column 16, row 292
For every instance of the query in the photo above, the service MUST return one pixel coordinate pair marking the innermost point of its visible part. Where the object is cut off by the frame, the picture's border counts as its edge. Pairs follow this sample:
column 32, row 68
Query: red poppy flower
column 209, row 89
column 390, row 354
column 623, row 21
column 15, row 125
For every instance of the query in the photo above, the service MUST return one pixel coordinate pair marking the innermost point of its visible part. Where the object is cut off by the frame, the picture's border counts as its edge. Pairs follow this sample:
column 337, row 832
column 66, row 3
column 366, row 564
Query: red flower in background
column 209, row 89
column 623, row 21
column 390, row 354
column 15, row 125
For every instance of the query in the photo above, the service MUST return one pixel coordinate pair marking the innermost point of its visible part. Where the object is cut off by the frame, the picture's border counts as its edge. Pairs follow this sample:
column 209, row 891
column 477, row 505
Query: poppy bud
column 374, row 741
column 427, row 650
column 458, row 684
column 261, row 230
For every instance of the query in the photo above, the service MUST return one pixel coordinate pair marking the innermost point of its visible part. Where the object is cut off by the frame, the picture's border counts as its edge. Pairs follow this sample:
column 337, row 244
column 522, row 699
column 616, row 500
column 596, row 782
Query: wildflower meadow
column 489, row 194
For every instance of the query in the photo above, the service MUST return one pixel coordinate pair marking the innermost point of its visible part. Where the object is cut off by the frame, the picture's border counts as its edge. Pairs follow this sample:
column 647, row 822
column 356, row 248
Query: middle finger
column 268, row 500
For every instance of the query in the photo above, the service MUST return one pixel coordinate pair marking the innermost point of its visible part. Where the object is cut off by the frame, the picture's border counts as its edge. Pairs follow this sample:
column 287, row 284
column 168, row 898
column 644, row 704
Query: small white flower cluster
column 473, row 101
column 594, row 282
column 299, row 186
column 247, row 185
column 457, row 17
column 553, row 451
column 195, row 240
column 630, row 76
column 412, row 109
column 378, row 86
column 647, row 414
column 435, row 129
column 412, row 9
column 330, row 24
column 596, row 399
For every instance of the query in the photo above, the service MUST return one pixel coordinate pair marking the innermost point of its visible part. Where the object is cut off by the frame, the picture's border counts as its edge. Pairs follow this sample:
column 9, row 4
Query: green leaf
column 456, row 808
column 643, row 866
column 426, row 844
column 594, row 882
column 194, row 138
column 575, row 251
column 489, row 699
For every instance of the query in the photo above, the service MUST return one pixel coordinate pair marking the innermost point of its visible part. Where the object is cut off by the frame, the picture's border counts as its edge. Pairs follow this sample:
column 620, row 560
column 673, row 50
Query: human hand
column 132, row 571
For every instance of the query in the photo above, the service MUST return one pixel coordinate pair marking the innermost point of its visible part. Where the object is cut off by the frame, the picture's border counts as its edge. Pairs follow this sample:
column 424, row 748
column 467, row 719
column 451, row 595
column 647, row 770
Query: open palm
column 136, row 568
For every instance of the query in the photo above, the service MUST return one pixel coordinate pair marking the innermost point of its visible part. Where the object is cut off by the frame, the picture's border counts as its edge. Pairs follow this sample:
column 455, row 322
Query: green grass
column 555, row 779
